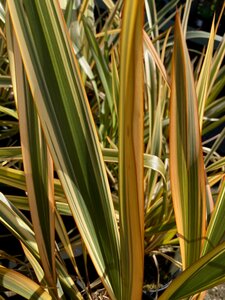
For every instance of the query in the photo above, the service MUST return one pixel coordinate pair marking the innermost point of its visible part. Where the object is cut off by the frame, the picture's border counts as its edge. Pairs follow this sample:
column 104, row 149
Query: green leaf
column 69, row 12
column 10, row 153
column 12, row 177
column 219, row 140
column 9, row 111
column 22, row 203
column 15, row 221
column 38, row 168
column 22, row 285
column 217, row 87
column 2, row 13
column 156, row 58
column 21, row 228
column 214, row 109
column 215, row 230
column 16, row 178
column 150, row 161
column 194, row 280
column 204, row 77
column 216, row 165
column 5, row 81
column 62, row 233
column 186, row 158
column 65, row 117
column 150, row 7
column 103, row 70
column 131, row 192
column 198, row 34
column 187, row 8
column 216, row 63
column 166, row 9
column 88, row 71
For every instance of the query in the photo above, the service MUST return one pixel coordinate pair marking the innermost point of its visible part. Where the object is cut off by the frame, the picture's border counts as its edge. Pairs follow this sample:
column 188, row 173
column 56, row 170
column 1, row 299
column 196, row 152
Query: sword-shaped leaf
column 37, row 163
column 131, row 150
column 66, row 119
column 203, row 81
column 186, row 159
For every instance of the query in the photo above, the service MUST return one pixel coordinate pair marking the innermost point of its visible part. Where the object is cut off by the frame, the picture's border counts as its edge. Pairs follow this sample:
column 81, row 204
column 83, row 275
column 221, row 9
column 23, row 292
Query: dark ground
column 216, row 293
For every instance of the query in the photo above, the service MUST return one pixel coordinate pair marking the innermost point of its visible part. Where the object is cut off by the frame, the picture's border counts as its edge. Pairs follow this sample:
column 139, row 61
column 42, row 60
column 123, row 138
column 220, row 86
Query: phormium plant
column 111, row 112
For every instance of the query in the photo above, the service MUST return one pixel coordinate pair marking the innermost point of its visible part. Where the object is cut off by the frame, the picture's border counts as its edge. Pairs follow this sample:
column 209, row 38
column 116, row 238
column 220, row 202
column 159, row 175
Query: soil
column 216, row 293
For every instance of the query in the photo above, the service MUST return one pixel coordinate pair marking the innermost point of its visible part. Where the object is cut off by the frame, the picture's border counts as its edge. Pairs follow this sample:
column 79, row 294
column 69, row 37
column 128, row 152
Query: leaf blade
column 38, row 168
column 186, row 158
column 131, row 151
column 74, row 146
column 22, row 285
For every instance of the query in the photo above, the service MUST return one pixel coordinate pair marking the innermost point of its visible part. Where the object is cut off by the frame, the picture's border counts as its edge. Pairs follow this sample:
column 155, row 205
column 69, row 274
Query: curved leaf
column 150, row 161
column 22, row 285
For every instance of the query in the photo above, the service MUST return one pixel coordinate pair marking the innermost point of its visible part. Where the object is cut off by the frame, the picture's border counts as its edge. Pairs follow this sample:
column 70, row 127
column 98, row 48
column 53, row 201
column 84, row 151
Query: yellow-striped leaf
column 68, row 126
column 187, row 173
column 131, row 150
column 38, row 167
column 22, row 285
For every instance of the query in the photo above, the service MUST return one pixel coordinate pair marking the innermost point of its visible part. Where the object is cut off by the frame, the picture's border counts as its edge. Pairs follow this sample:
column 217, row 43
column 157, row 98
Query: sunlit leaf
column 38, row 169
column 194, row 279
column 186, row 158
column 65, row 117
column 131, row 151
column 215, row 230
column 22, row 285
column 203, row 81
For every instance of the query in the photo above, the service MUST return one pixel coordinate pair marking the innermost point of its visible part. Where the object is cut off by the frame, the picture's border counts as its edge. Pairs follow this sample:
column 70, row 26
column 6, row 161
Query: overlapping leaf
column 21, row 228
column 22, row 285
column 37, row 164
column 194, row 279
column 67, row 123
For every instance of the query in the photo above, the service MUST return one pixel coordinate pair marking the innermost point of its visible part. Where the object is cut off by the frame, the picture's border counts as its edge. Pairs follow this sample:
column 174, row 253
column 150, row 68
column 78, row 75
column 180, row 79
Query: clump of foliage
column 111, row 113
